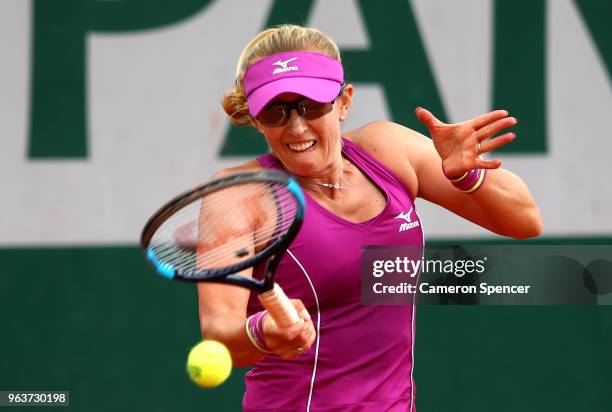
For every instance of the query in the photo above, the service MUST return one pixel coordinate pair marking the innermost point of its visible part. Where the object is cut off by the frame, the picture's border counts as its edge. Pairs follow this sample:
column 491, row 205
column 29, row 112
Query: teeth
column 300, row 147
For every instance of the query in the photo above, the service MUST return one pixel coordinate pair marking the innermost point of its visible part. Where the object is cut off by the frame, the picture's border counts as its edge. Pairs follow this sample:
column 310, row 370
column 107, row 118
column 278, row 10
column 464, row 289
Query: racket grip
column 279, row 306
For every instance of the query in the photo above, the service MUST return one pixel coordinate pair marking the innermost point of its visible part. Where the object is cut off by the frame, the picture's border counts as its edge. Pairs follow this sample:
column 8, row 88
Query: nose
column 296, row 124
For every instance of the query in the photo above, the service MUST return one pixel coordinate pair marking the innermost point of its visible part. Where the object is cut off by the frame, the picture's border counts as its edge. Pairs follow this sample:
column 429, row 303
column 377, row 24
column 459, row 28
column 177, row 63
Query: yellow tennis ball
column 209, row 363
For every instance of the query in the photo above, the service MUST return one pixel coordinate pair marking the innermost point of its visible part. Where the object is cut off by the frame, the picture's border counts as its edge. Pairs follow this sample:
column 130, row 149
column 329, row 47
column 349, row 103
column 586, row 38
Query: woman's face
column 308, row 148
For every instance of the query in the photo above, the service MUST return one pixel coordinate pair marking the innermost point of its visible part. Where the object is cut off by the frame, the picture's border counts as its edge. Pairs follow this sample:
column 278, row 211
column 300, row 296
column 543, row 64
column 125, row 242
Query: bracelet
column 471, row 181
column 254, row 330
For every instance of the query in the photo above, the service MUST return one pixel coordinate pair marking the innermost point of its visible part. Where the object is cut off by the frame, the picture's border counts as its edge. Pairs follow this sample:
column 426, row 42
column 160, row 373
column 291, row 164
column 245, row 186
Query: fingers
column 460, row 145
column 491, row 145
column 488, row 164
column 298, row 305
column 427, row 118
column 300, row 344
column 493, row 128
column 481, row 121
column 292, row 341
column 497, row 142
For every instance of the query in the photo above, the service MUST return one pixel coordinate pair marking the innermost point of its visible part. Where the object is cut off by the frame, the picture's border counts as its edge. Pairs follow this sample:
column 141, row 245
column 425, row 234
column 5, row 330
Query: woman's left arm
column 503, row 203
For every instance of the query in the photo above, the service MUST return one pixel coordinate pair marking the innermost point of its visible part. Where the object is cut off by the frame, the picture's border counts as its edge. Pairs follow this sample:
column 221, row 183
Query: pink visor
column 314, row 75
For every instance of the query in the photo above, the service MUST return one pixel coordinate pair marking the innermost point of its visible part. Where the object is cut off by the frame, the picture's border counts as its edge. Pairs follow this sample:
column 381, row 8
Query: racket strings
column 239, row 248
column 260, row 239
column 260, row 235
column 225, row 227
column 171, row 253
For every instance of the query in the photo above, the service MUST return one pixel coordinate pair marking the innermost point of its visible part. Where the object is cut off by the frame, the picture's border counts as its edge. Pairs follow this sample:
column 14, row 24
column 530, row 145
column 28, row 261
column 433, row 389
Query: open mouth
column 301, row 147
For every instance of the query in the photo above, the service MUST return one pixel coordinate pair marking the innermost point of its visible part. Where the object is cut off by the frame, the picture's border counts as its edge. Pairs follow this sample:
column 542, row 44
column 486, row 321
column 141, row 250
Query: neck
column 334, row 182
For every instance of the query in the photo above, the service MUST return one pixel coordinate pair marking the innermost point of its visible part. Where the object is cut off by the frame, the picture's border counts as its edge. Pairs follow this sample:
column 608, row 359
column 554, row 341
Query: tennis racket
column 217, row 230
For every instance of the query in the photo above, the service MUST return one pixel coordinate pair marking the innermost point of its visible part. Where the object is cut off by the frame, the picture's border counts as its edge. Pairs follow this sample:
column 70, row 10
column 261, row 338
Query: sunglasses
column 277, row 114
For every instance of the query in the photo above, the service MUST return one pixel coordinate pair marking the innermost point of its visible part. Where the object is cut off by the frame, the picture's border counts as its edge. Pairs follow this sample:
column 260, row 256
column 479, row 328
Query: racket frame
column 228, row 275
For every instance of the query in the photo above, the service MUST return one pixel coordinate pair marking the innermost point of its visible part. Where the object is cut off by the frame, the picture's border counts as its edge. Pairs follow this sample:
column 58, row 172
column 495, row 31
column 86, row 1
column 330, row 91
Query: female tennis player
column 360, row 188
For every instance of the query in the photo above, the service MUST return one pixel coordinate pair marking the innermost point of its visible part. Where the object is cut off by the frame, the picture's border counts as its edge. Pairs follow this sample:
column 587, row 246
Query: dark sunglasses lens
column 312, row 110
column 277, row 114
column 272, row 115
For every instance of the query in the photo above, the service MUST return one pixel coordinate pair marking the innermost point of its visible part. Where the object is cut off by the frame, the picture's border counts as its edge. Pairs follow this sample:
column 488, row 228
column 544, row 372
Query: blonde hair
column 278, row 39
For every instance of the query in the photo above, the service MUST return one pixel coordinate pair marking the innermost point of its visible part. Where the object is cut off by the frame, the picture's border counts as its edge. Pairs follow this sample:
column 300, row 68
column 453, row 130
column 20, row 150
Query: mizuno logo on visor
column 283, row 66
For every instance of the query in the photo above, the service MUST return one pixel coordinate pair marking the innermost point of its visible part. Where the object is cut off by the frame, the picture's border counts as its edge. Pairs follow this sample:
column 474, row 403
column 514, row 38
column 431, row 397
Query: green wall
column 98, row 322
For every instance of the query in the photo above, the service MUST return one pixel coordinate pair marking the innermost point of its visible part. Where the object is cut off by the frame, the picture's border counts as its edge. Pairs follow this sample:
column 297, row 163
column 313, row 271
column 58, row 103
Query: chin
column 308, row 168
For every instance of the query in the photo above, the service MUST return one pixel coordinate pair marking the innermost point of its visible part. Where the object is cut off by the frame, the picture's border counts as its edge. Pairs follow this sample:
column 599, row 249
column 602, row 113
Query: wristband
column 254, row 330
column 471, row 181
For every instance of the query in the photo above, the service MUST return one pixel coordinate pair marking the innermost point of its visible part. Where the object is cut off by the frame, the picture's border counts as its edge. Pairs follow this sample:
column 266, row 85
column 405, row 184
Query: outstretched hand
column 458, row 143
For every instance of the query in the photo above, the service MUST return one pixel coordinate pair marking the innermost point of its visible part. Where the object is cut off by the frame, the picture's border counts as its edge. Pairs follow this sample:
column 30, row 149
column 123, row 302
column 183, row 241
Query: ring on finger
column 478, row 148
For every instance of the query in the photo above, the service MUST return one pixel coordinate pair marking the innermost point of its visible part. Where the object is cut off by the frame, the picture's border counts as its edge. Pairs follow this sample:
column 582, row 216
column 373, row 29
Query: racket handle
column 279, row 306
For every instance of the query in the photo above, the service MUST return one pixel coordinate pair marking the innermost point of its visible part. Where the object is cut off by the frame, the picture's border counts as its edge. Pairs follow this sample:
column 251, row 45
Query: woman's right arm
column 223, row 318
column 223, row 311
column 223, row 314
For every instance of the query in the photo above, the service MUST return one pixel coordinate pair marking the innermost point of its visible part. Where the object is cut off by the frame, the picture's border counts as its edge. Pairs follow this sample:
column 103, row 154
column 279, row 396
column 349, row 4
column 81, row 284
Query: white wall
column 155, row 125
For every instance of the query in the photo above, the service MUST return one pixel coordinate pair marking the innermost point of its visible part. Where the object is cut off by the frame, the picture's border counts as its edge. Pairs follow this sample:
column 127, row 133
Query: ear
column 344, row 102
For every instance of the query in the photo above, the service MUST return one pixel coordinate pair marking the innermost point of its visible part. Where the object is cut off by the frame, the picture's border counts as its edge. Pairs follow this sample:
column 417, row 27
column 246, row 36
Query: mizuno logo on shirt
column 283, row 66
column 408, row 223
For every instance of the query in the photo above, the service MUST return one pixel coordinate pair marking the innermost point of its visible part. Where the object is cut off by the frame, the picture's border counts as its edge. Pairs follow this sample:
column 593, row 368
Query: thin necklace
column 334, row 186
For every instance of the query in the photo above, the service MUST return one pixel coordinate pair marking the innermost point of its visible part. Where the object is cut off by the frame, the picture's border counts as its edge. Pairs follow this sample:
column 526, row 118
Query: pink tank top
column 362, row 359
